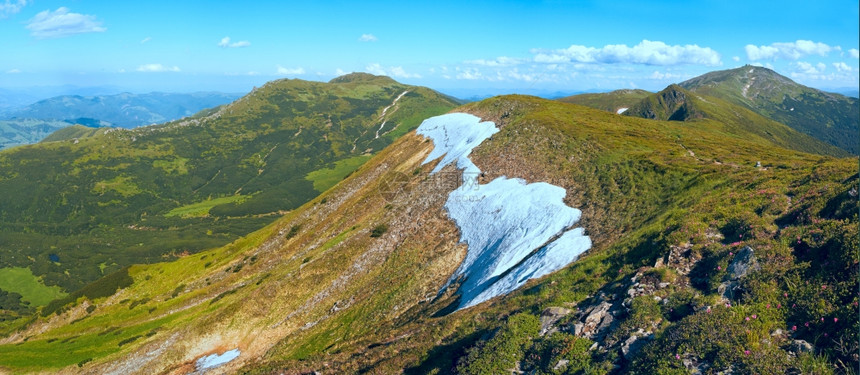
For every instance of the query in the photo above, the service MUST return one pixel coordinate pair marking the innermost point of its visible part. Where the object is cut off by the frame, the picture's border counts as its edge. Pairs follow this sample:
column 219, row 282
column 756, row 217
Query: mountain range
column 366, row 226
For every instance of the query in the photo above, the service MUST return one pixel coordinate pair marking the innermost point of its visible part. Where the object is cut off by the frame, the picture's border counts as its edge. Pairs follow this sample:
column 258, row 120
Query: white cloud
column 367, row 38
column 61, row 22
column 842, row 67
column 470, row 74
column 9, row 7
column 13, row 71
column 290, row 71
column 646, row 53
column 339, row 72
column 664, row 76
column 788, row 51
column 225, row 43
column 854, row 53
column 147, row 39
column 150, row 68
column 499, row 61
column 392, row 71
column 736, row 58
column 807, row 68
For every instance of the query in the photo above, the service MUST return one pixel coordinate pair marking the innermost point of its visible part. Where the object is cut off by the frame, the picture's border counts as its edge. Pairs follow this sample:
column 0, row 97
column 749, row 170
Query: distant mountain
column 26, row 131
column 123, row 110
column 616, row 101
column 675, row 103
column 832, row 118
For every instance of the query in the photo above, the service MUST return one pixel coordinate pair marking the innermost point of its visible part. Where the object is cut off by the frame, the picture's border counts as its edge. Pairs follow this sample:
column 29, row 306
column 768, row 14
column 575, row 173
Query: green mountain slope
column 348, row 282
column 832, row 118
column 675, row 103
column 73, row 132
column 612, row 101
column 72, row 211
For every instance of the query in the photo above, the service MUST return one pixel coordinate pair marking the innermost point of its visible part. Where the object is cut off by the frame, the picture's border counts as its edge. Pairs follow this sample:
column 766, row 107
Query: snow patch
column 515, row 231
column 621, row 110
column 214, row 360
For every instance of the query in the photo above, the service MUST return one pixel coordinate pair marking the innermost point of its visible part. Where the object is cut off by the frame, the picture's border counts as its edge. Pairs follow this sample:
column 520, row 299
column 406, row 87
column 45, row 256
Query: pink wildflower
column 794, row 328
column 768, row 305
column 754, row 316
column 824, row 287
column 806, row 324
column 835, row 320
column 747, row 318
column 785, row 294
column 719, row 268
column 746, row 352
column 677, row 356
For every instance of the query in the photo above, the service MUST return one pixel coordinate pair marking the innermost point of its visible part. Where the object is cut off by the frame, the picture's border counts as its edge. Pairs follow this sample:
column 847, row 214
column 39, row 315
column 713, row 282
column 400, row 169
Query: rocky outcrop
column 550, row 316
column 743, row 264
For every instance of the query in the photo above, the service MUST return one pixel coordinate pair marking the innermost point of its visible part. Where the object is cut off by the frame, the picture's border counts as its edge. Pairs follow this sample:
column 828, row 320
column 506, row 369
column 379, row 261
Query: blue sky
column 494, row 46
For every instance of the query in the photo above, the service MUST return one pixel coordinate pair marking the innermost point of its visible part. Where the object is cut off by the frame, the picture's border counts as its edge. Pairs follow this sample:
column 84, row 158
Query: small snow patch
column 214, row 360
column 621, row 110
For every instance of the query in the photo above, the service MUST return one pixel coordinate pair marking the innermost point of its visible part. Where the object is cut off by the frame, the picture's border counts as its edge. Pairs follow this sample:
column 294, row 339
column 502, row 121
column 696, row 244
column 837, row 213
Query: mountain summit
column 830, row 117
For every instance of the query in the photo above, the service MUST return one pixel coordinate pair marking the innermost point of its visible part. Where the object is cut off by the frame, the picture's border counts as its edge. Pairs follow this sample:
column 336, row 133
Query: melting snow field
column 515, row 231
column 214, row 360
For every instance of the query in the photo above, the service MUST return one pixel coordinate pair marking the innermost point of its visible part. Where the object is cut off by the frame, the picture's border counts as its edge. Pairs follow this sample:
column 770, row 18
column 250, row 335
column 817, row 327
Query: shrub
column 379, row 230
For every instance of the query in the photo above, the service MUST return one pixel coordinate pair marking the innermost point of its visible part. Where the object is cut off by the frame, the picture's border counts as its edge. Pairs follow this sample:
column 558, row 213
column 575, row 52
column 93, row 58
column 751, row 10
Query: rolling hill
column 832, row 118
column 80, row 208
column 700, row 260
column 614, row 101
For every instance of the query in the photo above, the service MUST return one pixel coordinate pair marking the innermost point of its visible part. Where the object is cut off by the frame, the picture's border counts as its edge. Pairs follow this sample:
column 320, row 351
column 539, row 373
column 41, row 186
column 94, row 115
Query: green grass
column 201, row 209
column 22, row 281
column 325, row 178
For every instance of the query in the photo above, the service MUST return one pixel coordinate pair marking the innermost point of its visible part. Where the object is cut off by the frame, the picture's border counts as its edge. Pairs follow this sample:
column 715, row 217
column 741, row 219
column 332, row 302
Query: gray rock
column 742, row 264
column 632, row 345
column 801, row 346
column 562, row 363
column 550, row 316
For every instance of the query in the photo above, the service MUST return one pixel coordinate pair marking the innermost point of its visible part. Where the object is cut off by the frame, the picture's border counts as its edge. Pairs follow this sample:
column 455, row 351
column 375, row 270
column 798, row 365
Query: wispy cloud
column 9, row 7
column 367, row 38
column 788, row 51
column 13, row 71
column 499, row 61
column 645, row 53
column 62, row 22
column 339, row 72
column 854, row 53
column 290, row 71
column 150, row 68
column 391, row 71
column 147, row 39
column 225, row 43
column 842, row 67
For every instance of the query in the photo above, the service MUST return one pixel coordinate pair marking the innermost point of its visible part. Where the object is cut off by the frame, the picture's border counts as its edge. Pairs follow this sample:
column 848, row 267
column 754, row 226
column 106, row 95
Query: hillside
column 75, row 210
column 614, row 101
column 354, row 281
column 123, row 110
column 832, row 118
column 675, row 103
column 26, row 131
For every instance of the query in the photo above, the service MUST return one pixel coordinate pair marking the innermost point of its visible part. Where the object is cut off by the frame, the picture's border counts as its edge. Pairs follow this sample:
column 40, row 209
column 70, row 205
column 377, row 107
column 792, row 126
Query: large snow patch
column 515, row 231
